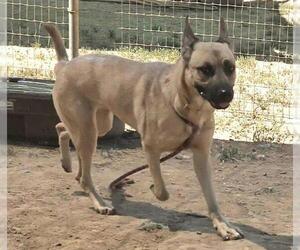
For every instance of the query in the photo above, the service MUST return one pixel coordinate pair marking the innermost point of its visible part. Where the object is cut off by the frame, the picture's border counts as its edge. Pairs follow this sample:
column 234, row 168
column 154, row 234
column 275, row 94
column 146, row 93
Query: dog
column 155, row 99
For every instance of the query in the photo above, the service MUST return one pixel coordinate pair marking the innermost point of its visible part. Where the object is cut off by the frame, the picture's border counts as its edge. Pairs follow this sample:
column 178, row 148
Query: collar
column 195, row 128
column 186, row 121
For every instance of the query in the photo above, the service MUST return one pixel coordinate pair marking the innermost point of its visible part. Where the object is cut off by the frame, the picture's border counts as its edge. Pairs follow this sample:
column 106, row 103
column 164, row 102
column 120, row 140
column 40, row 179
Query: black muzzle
column 219, row 95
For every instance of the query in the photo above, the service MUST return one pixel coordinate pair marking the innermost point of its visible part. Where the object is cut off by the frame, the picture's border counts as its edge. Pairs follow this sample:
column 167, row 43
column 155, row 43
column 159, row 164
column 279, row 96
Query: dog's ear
column 223, row 34
column 188, row 41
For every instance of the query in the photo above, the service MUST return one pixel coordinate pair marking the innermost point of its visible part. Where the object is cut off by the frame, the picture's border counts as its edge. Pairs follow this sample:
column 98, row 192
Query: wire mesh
column 24, row 20
column 258, row 28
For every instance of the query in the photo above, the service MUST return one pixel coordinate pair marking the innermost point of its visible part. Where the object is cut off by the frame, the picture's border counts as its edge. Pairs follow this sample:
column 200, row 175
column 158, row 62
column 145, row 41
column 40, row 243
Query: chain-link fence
column 258, row 28
column 261, row 30
column 25, row 37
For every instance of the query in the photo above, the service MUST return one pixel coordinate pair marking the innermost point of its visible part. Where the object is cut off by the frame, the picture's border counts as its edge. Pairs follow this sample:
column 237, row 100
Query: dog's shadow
column 179, row 221
column 128, row 140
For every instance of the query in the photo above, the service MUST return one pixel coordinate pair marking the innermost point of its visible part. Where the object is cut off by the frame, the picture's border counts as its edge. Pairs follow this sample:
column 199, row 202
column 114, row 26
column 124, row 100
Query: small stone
column 283, row 172
column 27, row 172
column 267, row 190
column 260, row 157
column 199, row 233
column 129, row 181
column 265, row 174
column 149, row 226
column 58, row 244
column 182, row 157
column 16, row 230
column 105, row 154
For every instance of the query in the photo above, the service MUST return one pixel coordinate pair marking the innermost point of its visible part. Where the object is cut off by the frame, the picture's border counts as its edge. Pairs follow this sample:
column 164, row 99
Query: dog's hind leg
column 158, row 188
column 104, row 120
column 64, row 141
column 85, row 141
column 79, row 173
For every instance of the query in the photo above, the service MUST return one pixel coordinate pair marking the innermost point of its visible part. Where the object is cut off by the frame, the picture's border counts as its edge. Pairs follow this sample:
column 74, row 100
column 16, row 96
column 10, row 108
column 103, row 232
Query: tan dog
column 150, row 97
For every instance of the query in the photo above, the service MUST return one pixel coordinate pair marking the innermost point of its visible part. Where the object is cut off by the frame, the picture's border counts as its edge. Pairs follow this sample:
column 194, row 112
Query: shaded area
column 178, row 221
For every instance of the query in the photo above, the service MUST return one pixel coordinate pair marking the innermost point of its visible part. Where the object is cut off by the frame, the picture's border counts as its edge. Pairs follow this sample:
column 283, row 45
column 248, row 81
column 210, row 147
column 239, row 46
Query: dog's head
column 209, row 67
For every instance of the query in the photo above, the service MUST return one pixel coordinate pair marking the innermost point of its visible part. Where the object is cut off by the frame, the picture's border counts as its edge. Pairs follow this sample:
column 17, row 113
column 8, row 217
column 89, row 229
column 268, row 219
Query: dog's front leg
column 203, row 171
column 158, row 188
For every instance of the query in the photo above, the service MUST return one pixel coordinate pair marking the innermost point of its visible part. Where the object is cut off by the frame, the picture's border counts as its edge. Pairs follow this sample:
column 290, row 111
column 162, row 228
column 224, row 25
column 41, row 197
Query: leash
column 117, row 182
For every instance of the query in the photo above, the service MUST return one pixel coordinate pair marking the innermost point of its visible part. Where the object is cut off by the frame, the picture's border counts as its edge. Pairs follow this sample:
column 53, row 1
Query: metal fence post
column 74, row 27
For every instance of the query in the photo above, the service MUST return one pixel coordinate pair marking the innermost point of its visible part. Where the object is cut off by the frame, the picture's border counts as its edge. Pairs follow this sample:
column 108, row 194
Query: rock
column 128, row 195
column 102, row 164
column 149, row 226
column 267, row 190
column 15, row 230
column 260, row 157
column 182, row 157
column 32, row 155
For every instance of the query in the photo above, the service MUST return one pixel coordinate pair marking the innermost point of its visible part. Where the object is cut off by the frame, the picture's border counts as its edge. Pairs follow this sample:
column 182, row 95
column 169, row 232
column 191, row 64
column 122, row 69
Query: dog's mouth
column 204, row 92
column 218, row 95
column 221, row 105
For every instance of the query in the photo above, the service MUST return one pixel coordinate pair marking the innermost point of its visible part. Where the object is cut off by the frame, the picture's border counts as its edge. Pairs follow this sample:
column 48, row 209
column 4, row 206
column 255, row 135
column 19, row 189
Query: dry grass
column 262, row 109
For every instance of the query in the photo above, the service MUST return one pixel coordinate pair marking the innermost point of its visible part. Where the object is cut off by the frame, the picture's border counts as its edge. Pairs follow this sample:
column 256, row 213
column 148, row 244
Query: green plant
column 229, row 154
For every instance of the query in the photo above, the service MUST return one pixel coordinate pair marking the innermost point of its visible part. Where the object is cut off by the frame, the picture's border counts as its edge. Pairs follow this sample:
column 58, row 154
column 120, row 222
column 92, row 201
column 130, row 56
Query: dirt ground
column 48, row 210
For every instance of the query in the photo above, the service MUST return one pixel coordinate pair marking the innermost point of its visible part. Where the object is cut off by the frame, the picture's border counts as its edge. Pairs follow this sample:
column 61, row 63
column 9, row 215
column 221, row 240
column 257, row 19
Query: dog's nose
column 224, row 95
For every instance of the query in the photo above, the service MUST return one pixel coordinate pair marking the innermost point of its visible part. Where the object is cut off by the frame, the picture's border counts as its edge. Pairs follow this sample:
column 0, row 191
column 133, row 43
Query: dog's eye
column 207, row 70
column 229, row 68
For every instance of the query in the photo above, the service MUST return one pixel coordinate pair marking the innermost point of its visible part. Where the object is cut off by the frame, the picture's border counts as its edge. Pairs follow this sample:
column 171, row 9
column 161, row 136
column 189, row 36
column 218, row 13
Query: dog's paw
column 105, row 210
column 66, row 165
column 161, row 195
column 227, row 231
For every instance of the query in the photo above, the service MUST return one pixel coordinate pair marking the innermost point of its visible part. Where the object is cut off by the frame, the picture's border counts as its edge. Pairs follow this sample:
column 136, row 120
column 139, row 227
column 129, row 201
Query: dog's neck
column 186, row 102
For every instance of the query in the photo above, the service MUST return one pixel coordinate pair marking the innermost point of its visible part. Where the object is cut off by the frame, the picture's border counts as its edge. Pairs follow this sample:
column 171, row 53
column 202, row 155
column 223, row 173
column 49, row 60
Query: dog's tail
column 59, row 46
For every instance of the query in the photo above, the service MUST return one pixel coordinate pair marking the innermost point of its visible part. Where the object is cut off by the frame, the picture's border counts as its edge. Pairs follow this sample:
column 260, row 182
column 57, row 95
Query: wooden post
column 74, row 27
